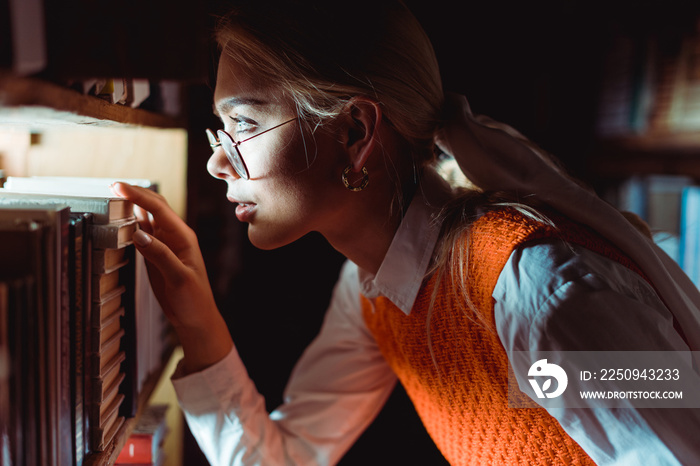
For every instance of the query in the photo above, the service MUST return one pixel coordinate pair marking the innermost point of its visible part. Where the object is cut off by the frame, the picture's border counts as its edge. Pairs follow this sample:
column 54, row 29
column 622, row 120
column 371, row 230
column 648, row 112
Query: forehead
column 237, row 89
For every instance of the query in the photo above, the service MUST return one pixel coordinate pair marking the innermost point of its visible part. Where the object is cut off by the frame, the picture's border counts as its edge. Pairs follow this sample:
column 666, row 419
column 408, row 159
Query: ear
column 361, row 132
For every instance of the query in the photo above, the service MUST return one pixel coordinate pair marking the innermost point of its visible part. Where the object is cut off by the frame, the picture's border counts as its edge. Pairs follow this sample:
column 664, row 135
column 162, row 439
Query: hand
column 178, row 277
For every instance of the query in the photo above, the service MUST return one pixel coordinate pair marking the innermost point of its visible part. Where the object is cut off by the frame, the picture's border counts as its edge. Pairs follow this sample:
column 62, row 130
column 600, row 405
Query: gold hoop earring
column 363, row 183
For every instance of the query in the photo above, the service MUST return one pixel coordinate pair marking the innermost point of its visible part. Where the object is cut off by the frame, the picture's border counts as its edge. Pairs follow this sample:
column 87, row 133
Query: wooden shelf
column 668, row 153
column 36, row 103
column 109, row 455
column 679, row 142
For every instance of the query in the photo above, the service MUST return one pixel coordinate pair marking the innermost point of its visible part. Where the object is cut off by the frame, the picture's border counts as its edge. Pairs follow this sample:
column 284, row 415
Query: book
column 103, row 284
column 114, row 235
column 631, row 196
column 109, row 327
column 72, row 185
column 616, row 97
column 5, row 368
column 100, row 437
column 149, row 324
column 130, row 344
column 664, row 201
column 24, row 391
column 684, row 114
column 690, row 233
column 657, row 201
column 87, row 312
column 113, row 377
column 105, row 403
column 65, row 360
column 106, row 260
column 664, row 194
column 21, row 243
column 102, row 380
column 106, row 352
column 54, row 424
column 104, row 306
column 113, row 220
column 144, row 445
column 100, row 410
column 112, row 225
column 104, row 209
column 80, row 301
column 651, row 86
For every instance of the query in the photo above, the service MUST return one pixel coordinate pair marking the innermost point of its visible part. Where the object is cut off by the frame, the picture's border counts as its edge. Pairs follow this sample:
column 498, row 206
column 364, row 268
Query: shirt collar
column 405, row 265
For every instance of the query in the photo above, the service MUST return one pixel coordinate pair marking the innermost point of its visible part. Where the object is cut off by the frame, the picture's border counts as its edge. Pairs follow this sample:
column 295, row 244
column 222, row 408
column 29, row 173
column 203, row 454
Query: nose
column 219, row 167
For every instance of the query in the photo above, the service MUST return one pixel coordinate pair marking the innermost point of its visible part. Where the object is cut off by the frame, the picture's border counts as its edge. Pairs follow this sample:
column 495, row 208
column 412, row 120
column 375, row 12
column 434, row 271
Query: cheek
column 273, row 157
column 301, row 185
column 297, row 157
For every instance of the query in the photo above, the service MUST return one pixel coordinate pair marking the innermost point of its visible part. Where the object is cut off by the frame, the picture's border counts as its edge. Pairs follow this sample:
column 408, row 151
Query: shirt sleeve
column 336, row 389
column 553, row 296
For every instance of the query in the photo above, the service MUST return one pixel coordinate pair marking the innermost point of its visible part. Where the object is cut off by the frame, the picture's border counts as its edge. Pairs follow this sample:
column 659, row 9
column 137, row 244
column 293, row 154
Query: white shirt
column 342, row 381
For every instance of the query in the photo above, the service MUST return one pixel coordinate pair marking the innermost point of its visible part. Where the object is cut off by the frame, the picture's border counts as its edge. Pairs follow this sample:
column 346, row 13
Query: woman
column 331, row 121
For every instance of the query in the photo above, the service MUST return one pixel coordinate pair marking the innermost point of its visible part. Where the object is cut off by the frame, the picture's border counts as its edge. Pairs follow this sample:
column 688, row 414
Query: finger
column 145, row 219
column 150, row 201
column 159, row 255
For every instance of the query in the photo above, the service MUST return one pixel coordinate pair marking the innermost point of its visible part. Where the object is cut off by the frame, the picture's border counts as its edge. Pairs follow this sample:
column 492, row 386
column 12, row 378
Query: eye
column 243, row 125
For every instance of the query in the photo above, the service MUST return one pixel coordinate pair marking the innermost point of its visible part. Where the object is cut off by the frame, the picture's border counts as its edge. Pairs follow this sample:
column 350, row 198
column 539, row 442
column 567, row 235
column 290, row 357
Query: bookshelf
column 109, row 455
column 648, row 119
column 51, row 125
column 34, row 102
column 618, row 157
column 645, row 155
column 90, row 379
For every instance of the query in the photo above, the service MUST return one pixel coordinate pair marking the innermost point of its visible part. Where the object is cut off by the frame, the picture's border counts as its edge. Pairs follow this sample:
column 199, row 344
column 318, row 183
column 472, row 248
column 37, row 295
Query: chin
column 267, row 241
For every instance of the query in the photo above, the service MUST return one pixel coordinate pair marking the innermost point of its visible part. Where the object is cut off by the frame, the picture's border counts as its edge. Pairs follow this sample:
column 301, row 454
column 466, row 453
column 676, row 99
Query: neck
column 369, row 226
column 368, row 244
column 366, row 225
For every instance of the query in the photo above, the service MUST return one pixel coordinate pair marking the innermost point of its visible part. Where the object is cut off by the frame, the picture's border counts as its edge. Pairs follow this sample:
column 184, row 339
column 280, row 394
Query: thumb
column 159, row 255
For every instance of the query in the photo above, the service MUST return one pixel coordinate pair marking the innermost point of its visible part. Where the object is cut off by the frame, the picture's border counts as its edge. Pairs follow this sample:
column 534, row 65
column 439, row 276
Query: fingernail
column 141, row 238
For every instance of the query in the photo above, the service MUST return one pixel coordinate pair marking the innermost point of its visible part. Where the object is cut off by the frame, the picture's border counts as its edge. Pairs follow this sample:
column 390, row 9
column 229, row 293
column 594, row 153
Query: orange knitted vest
column 463, row 402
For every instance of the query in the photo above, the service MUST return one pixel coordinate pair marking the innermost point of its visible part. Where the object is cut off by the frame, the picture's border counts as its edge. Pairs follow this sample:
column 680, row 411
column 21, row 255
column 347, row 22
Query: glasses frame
column 230, row 147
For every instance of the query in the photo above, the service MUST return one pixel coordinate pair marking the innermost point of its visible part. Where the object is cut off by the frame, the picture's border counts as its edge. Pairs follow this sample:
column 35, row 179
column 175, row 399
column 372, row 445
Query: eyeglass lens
column 233, row 154
column 231, row 147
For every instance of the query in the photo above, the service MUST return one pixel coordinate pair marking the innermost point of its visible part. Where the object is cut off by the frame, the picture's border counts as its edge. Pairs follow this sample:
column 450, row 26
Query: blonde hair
column 321, row 54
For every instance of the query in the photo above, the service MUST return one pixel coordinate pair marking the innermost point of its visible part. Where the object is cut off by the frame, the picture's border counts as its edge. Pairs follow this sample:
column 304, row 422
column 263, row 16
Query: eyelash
column 242, row 126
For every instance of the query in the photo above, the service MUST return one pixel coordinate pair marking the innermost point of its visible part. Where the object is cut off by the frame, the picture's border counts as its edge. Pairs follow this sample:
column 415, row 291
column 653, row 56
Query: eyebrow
column 227, row 104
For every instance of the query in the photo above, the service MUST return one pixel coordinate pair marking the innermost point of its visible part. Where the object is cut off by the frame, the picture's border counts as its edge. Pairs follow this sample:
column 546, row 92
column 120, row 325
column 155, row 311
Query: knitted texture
column 458, row 380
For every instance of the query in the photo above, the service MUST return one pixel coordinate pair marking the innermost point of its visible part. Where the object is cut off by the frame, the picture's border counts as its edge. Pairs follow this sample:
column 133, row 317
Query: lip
column 245, row 212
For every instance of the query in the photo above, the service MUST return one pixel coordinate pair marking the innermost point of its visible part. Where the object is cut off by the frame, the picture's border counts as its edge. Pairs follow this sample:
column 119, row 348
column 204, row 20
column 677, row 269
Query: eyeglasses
column 230, row 146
